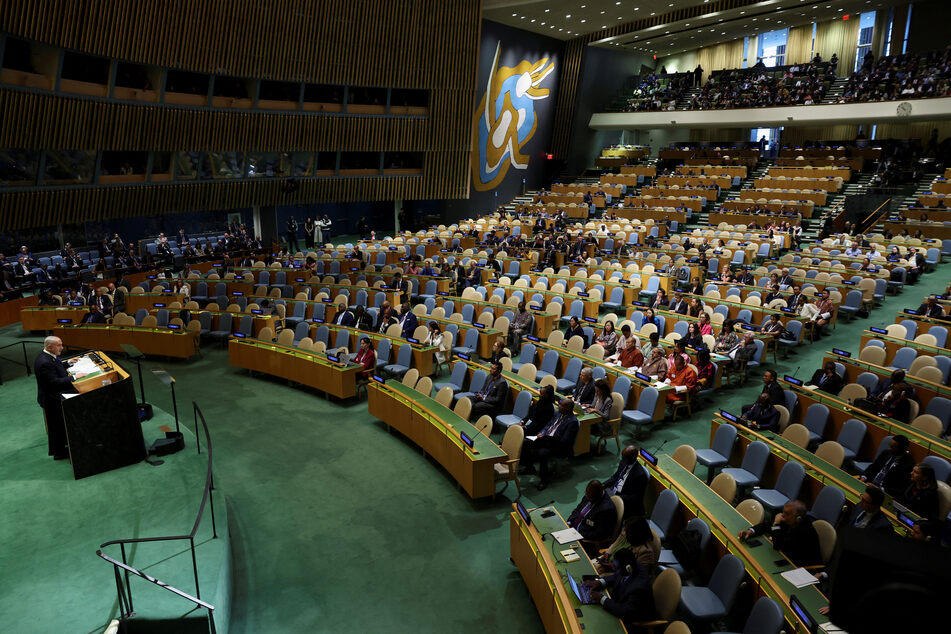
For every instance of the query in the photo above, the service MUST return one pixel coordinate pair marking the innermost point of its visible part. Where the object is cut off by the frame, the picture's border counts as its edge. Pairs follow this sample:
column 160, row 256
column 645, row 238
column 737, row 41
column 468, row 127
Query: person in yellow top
column 682, row 374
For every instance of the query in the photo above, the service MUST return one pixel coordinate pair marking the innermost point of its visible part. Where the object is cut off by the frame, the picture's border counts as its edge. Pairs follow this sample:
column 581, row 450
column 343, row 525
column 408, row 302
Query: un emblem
column 505, row 119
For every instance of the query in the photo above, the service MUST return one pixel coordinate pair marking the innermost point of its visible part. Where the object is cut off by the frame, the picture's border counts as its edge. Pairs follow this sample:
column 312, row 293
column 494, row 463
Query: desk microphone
column 797, row 370
column 657, row 451
column 548, row 503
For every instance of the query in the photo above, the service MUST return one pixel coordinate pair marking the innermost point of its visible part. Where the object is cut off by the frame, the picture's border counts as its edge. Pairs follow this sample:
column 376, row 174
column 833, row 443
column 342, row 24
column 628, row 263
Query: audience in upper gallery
column 800, row 84
column 656, row 92
column 907, row 76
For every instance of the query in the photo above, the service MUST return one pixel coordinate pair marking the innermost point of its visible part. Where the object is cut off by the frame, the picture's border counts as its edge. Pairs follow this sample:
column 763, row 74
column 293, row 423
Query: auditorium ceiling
column 621, row 23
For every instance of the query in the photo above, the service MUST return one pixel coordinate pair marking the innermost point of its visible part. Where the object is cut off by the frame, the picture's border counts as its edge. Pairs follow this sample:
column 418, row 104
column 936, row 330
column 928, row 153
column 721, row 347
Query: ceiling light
column 533, row 19
column 568, row 16
column 514, row 14
column 547, row 10
column 583, row 21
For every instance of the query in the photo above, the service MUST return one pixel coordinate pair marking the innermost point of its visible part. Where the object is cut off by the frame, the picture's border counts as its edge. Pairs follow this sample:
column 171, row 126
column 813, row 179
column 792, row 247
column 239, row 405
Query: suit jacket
column 539, row 416
column 776, row 394
column 632, row 597
column 119, row 299
column 496, row 394
column 364, row 323
column 766, row 419
column 832, row 385
column 583, row 392
column 409, row 324
column 897, row 477
column 924, row 502
column 103, row 301
column 936, row 311
column 344, row 319
column 800, row 543
column 878, row 522
column 52, row 380
column 679, row 307
column 382, row 323
column 632, row 490
column 598, row 523
column 93, row 318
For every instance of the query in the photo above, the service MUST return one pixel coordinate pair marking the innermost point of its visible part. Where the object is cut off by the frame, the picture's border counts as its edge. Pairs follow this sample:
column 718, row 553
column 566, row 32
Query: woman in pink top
column 705, row 327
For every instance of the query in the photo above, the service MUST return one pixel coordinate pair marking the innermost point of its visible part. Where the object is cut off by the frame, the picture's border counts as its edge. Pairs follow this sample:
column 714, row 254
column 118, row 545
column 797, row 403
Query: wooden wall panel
column 396, row 43
column 47, row 207
column 427, row 44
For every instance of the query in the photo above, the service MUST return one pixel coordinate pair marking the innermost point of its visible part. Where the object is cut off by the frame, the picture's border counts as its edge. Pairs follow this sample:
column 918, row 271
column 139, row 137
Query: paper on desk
column 800, row 577
column 530, row 437
column 811, row 387
column 567, row 536
column 65, row 396
column 85, row 365
column 680, row 388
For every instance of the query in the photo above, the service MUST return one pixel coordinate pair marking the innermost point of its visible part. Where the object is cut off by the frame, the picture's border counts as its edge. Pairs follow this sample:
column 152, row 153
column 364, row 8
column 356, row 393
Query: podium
column 102, row 421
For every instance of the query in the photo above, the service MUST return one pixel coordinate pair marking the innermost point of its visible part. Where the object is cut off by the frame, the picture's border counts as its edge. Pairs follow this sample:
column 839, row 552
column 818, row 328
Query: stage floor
column 51, row 526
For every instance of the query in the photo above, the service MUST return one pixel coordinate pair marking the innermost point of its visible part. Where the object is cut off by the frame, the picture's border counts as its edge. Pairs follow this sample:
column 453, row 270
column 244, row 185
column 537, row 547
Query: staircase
column 835, row 91
column 684, row 102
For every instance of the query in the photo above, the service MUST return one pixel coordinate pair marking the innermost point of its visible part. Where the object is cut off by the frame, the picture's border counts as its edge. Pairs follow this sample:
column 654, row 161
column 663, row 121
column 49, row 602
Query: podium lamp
column 145, row 410
column 174, row 440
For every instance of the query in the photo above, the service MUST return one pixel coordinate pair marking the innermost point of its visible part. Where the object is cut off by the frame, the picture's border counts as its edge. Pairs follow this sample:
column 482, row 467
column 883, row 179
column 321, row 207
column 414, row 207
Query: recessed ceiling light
column 568, row 16
column 543, row 24
column 547, row 10
column 583, row 21
column 533, row 19
column 514, row 14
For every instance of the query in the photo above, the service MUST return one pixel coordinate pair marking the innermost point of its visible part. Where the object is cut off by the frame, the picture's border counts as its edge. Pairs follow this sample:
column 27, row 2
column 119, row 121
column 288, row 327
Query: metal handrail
column 125, row 593
column 862, row 224
column 26, row 361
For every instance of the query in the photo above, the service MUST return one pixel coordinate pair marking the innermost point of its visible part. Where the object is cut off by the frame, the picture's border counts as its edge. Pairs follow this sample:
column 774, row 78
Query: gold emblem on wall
column 505, row 119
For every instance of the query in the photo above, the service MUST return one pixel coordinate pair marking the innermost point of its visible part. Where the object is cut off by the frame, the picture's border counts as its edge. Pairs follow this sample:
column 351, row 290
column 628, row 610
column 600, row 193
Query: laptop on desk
column 581, row 591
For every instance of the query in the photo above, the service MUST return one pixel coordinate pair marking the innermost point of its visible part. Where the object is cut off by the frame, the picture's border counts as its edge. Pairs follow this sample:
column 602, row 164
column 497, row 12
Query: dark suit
column 632, row 488
column 934, row 311
column 102, row 301
column 556, row 439
column 897, row 474
column 583, row 392
column 877, row 522
column 493, row 398
column 800, row 543
column 344, row 319
column 539, row 415
column 923, row 502
column 408, row 323
column 632, row 597
column 52, row 380
column 382, row 323
column 776, row 395
column 119, row 299
column 93, row 317
column 832, row 384
column 403, row 287
column 594, row 520
column 679, row 307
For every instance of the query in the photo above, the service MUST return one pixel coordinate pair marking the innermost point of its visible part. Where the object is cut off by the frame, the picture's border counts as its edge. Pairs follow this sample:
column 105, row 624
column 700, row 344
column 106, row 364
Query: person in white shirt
column 437, row 339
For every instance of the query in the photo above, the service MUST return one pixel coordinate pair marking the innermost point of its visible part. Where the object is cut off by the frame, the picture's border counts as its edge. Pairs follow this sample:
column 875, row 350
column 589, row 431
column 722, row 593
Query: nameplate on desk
column 462, row 356
column 730, row 417
column 299, row 279
column 153, row 275
column 523, row 513
column 378, row 379
column 786, row 310
column 478, row 324
column 904, row 519
column 167, row 290
column 649, row 457
column 158, row 305
column 495, row 281
column 239, row 335
column 879, row 331
column 811, row 624
column 583, row 295
column 326, row 300
column 467, row 440
column 75, row 303
column 590, row 320
column 642, row 304
column 535, row 307
column 238, row 293
column 411, row 340
column 317, row 320
column 392, row 248
column 257, row 311
column 333, row 358
column 624, row 281
column 842, row 353
column 354, row 268
column 216, row 265
column 642, row 377
column 793, row 380
column 64, row 321
column 910, row 311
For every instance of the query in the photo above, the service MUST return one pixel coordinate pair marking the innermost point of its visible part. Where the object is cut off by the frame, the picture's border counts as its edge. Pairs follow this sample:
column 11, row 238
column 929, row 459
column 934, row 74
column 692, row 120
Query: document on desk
column 566, row 536
column 680, row 388
column 85, row 365
column 800, row 577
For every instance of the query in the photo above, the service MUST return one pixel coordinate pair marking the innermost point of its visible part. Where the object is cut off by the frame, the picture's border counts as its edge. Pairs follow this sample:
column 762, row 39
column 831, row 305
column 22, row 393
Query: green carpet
column 52, row 525
column 338, row 525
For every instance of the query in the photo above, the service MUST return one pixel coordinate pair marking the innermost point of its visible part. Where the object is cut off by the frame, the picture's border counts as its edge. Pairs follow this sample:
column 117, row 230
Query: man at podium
column 52, row 381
